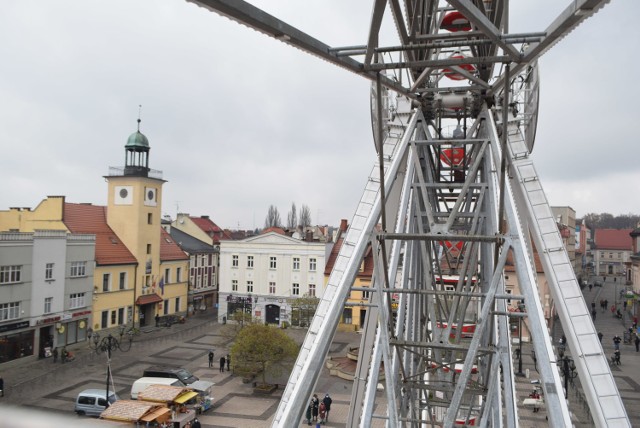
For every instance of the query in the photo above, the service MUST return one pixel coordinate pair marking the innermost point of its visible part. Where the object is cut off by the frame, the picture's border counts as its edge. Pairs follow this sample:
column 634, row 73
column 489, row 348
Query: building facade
column 611, row 255
column 46, row 291
column 260, row 275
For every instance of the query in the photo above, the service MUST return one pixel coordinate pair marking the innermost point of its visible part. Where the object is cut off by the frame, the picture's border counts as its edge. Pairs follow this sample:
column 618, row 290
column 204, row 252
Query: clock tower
column 134, row 208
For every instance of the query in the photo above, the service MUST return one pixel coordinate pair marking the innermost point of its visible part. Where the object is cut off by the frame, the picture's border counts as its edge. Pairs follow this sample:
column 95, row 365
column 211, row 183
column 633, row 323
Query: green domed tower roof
column 137, row 141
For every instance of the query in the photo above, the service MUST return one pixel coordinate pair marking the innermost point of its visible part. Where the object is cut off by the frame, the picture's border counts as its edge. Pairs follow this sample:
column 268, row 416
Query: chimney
column 343, row 225
column 309, row 236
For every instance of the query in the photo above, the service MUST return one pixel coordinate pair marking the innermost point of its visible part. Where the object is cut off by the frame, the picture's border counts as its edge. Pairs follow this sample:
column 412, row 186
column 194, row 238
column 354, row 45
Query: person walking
column 157, row 320
column 211, row 358
column 316, row 406
column 327, row 404
column 600, row 336
column 309, row 412
column 616, row 342
column 637, row 342
column 593, row 314
column 228, row 362
column 196, row 423
column 55, row 355
column 222, row 363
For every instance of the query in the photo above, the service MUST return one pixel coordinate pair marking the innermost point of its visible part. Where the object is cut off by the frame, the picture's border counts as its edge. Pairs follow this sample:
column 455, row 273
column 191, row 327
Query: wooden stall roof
column 161, row 393
column 128, row 410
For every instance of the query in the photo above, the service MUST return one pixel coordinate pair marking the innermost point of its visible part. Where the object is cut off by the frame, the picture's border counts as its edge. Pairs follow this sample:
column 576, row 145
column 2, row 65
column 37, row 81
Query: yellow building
column 140, row 271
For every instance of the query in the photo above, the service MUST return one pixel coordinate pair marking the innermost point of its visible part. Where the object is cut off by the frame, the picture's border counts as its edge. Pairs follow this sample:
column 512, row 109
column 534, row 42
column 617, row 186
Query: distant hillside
column 609, row 221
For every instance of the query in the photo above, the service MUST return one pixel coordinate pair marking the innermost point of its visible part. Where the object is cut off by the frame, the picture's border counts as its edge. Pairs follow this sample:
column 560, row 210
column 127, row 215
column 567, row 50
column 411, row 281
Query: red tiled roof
column 367, row 272
column 86, row 218
column 613, row 239
column 169, row 249
column 210, row 228
column 274, row 229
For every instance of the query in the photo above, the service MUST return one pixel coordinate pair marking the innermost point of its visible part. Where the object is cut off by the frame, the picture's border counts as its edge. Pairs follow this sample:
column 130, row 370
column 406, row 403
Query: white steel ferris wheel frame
column 466, row 218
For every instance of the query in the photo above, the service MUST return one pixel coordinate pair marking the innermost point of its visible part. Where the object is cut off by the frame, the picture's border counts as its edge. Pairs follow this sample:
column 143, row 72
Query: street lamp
column 108, row 344
column 521, row 308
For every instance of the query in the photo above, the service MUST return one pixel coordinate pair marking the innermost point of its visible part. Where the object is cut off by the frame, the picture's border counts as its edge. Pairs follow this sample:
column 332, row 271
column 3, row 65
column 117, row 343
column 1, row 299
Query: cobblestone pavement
column 52, row 387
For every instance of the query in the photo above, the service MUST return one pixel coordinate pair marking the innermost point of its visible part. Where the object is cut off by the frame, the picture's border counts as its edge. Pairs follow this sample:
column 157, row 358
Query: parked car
column 92, row 402
column 140, row 384
column 173, row 372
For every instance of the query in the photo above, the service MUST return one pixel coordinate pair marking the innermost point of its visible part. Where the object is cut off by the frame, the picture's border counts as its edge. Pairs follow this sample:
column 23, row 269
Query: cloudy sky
column 238, row 121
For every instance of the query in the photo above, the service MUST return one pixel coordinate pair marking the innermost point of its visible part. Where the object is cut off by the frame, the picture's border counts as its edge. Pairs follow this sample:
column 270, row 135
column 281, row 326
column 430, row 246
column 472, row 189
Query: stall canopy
column 185, row 397
column 132, row 411
column 164, row 394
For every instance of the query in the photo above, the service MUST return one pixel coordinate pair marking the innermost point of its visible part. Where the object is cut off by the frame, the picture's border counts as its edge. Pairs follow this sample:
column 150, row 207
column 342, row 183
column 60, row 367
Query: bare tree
column 305, row 216
column 292, row 219
column 273, row 218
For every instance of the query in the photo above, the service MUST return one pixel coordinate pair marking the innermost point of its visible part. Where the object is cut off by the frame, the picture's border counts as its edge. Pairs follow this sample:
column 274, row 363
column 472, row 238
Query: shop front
column 147, row 308
column 14, row 343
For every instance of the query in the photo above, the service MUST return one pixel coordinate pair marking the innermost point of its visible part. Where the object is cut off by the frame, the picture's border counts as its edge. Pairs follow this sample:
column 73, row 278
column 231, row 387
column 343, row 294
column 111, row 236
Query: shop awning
column 185, row 397
column 152, row 416
column 148, row 298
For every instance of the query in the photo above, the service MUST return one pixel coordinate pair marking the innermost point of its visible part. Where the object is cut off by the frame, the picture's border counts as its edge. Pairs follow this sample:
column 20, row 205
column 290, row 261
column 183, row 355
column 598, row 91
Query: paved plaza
column 43, row 385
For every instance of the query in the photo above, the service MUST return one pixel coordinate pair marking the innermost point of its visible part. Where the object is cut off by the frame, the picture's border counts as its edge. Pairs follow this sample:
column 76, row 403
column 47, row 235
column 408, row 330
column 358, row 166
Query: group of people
column 65, row 355
column 223, row 361
column 318, row 411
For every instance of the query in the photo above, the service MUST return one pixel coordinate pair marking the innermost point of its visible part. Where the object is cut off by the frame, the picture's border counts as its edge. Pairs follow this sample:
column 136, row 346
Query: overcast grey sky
column 238, row 121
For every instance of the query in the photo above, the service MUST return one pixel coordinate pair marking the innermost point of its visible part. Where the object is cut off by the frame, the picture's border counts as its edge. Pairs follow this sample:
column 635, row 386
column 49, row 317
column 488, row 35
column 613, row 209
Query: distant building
column 46, row 291
column 261, row 274
column 613, row 248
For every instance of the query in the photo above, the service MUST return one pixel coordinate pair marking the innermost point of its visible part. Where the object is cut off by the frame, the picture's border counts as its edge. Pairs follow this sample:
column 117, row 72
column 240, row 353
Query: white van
column 92, row 402
column 143, row 382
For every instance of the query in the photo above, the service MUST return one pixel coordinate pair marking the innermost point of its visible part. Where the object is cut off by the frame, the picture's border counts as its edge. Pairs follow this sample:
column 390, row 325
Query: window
column 312, row 290
column 272, row 288
column 312, row 264
column 272, row 262
column 121, row 316
column 250, row 262
column 177, row 304
column 48, row 271
column 78, row 268
column 148, row 248
column 296, row 263
column 167, row 276
column 104, row 321
column 10, row 274
column 149, row 218
column 178, row 274
column 106, row 279
column 47, row 304
column 249, row 286
column 113, row 317
column 234, row 285
column 77, row 300
column 365, row 295
column 123, row 281
column 295, row 289
column 234, row 261
column 9, row 311
column 346, row 316
column 610, row 255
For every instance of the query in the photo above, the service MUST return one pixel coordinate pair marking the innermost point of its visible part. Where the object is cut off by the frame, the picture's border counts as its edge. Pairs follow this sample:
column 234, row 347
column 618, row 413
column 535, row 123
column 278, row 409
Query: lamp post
column 108, row 344
column 521, row 309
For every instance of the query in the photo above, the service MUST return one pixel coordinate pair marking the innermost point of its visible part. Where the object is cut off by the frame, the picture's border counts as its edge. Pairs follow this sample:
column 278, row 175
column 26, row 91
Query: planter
column 264, row 389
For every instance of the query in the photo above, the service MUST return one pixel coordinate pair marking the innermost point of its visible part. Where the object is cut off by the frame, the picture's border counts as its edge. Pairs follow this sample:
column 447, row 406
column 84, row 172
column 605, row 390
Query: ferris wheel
column 456, row 196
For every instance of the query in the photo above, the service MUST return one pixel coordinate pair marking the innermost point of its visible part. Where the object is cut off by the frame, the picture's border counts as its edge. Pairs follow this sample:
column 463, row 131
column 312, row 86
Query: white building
column 259, row 275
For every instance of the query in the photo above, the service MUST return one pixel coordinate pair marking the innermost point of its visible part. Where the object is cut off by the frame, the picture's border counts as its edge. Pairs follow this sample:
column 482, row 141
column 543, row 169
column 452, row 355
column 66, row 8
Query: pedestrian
column 228, row 362
column 602, row 306
column 222, row 363
column 600, row 336
column 624, row 305
column 637, row 342
column 616, row 342
column 593, row 306
column 593, row 314
column 196, row 423
column 327, row 404
column 64, row 354
column 55, row 355
column 322, row 412
column 590, row 286
column 211, row 358
column 309, row 412
column 1, row 386
column 606, row 303
column 157, row 320
column 635, row 322
column 316, row 406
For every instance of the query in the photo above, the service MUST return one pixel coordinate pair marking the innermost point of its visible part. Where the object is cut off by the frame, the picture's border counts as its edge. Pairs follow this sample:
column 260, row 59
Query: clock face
column 123, row 195
column 150, row 196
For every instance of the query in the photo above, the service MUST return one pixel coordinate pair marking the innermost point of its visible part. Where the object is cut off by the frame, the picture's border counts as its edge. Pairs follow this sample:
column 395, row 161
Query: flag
column 161, row 285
